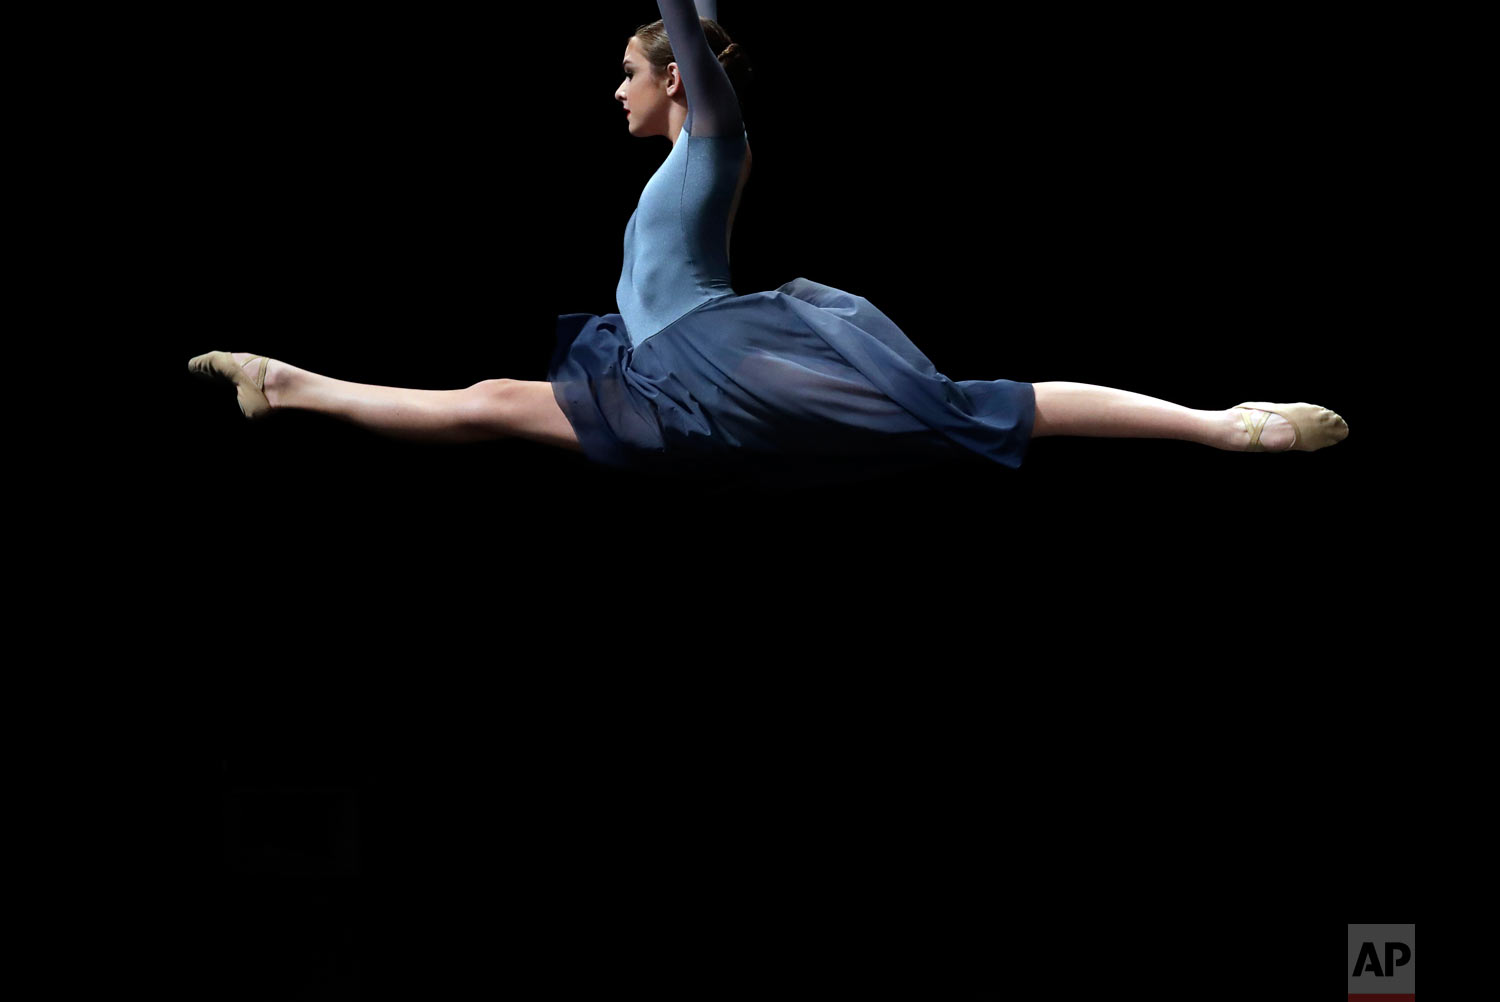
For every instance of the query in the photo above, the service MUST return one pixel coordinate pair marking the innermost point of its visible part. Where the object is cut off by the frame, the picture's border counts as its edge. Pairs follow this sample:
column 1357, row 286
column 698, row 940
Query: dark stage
column 493, row 716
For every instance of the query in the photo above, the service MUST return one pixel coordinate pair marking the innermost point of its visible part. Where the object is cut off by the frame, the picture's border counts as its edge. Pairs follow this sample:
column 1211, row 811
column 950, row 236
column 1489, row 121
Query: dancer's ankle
column 280, row 377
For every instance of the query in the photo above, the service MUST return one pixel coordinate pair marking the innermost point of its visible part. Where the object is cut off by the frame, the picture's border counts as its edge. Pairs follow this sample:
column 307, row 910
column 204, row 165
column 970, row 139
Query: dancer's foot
column 1268, row 427
column 254, row 376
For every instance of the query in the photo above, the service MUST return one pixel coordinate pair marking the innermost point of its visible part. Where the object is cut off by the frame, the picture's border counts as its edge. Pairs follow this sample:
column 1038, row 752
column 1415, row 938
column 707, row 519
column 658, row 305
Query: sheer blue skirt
column 806, row 384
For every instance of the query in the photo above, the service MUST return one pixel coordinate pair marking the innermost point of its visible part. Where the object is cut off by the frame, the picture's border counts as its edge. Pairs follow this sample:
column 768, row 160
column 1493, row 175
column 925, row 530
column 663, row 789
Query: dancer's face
column 646, row 95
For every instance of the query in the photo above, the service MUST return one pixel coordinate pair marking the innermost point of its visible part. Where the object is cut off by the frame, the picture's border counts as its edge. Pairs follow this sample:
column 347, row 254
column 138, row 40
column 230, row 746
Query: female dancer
column 690, row 375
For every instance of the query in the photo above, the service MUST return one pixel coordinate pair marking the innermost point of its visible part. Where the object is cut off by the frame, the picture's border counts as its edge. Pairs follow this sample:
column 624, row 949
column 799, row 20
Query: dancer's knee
column 522, row 408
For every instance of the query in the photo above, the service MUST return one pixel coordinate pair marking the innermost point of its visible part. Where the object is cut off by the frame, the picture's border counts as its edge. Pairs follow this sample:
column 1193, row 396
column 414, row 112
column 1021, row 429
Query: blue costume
column 805, row 384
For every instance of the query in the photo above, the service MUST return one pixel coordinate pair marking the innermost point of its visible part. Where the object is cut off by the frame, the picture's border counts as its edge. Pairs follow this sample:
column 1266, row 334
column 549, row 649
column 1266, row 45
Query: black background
column 338, row 877
column 967, row 727
column 1187, row 210
column 1193, row 209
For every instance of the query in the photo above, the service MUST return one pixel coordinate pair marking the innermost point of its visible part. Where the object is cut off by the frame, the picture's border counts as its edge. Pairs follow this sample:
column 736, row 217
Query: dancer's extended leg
column 489, row 409
column 1064, row 408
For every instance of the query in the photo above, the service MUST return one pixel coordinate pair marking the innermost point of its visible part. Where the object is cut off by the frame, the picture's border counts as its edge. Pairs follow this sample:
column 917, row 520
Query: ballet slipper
column 251, row 390
column 1314, row 427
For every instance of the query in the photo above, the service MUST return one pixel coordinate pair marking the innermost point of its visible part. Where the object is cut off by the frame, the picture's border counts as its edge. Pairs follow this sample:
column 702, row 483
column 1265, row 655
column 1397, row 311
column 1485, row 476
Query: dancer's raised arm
column 713, row 107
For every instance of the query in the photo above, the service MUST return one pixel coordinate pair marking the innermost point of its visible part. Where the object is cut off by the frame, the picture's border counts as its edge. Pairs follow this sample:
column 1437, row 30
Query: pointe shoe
column 251, row 390
column 1314, row 427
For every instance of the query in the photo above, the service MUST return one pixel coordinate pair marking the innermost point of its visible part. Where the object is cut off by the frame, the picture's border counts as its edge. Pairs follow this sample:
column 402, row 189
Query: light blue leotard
column 676, row 242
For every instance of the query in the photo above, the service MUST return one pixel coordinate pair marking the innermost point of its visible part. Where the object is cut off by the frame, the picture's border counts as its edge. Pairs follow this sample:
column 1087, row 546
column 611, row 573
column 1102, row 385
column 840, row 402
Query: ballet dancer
column 691, row 373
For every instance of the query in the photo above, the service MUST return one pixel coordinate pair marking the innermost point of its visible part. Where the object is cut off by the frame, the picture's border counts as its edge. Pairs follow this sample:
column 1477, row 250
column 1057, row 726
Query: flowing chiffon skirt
column 806, row 384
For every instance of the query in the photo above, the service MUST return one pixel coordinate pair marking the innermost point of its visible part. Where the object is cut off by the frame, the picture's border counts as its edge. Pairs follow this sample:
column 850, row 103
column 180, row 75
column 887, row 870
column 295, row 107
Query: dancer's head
column 653, row 85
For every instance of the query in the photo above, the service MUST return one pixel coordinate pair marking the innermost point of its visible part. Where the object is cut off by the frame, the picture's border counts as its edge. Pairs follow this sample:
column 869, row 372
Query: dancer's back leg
column 1064, row 408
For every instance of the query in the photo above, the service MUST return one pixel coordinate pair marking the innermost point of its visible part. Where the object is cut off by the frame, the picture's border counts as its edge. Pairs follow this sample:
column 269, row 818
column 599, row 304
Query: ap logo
column 1382, row 963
